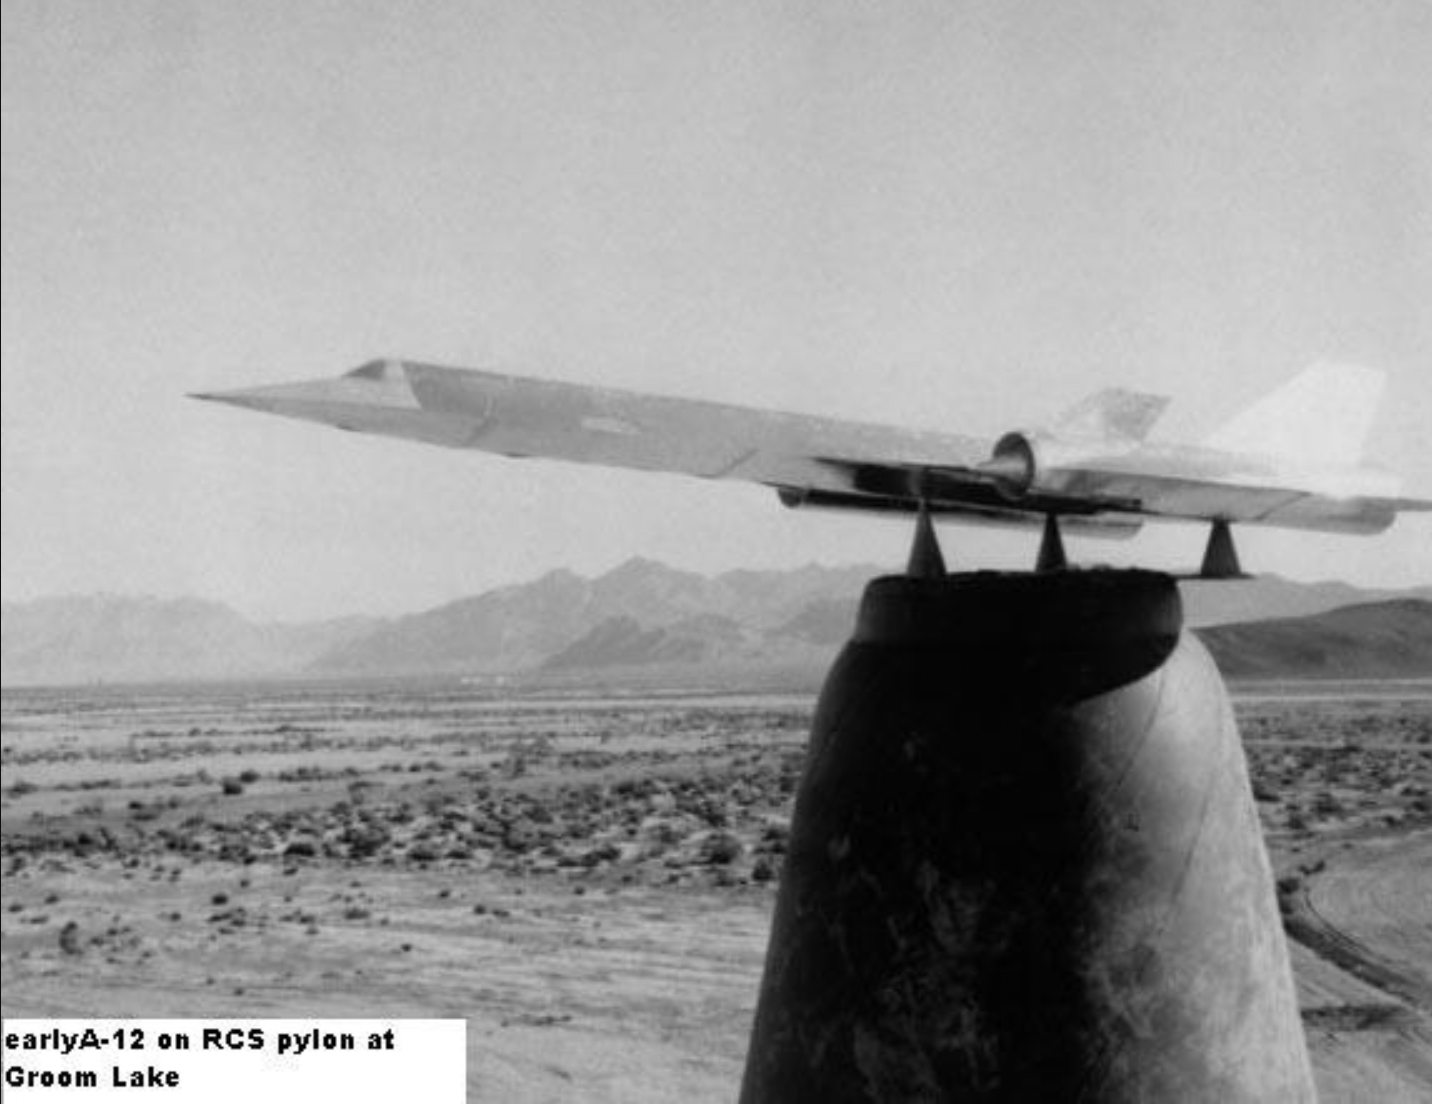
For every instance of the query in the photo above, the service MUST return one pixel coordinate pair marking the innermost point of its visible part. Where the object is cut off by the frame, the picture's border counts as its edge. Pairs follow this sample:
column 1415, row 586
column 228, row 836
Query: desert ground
column 587, row 879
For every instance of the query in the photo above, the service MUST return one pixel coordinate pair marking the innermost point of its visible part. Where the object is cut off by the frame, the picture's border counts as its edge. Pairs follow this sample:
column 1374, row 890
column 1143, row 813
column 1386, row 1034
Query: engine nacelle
column 1026, row 462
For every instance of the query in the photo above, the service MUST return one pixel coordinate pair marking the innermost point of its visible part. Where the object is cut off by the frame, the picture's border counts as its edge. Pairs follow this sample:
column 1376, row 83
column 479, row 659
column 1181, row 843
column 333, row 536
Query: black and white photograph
column 878, row 552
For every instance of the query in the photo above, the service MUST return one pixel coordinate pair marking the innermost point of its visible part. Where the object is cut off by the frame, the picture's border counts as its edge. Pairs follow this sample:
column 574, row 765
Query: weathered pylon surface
column 1025, row 863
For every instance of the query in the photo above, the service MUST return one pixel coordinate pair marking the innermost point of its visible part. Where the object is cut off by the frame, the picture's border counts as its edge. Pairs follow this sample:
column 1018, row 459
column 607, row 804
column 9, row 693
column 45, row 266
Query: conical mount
column 926, row 559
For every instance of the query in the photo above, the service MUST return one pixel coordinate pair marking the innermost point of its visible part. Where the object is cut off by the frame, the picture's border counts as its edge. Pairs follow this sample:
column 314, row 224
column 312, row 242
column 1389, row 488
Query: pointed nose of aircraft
column 381, row 383
column 376, row 398
column 280, row 398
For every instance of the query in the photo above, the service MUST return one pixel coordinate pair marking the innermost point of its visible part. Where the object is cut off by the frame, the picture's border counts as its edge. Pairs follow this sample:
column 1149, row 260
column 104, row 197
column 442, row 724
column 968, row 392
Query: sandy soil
column 588, row 883
column 632, row 994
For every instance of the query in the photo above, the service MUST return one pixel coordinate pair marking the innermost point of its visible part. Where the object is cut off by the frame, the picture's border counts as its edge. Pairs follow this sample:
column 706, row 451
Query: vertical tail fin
column 1322, row 415
column 1113, row 415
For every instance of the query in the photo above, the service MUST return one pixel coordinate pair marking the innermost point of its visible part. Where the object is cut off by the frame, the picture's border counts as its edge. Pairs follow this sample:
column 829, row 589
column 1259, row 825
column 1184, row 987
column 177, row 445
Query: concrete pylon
column 1025, row 863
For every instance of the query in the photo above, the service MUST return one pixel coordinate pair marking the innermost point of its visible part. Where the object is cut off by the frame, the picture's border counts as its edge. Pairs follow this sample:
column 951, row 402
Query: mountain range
column 107, row 638
column 643, row 620
column 1390, row 639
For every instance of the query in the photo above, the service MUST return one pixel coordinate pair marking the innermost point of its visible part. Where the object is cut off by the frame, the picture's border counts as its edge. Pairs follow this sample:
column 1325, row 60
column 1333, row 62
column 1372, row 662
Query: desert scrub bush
column 70, row 939
column 231, row 787
column 721, row 848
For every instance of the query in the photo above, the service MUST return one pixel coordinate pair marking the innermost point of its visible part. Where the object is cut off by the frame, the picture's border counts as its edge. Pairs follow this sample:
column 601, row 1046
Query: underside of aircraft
column 1292, row 460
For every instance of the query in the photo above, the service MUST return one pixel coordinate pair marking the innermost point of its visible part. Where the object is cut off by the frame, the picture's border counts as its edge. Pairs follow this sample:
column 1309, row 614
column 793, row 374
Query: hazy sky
column 956, row 215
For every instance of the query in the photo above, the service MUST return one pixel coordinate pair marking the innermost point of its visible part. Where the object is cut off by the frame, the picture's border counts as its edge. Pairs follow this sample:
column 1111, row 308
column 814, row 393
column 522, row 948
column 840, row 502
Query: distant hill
column 621, row 641
column 563, row 620
column 641, row 619
column 126, row 639
column 1268, row 596
column 1376, row 640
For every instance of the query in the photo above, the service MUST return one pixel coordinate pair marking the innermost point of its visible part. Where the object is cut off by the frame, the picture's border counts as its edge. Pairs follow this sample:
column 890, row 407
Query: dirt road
column 1364, row 924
